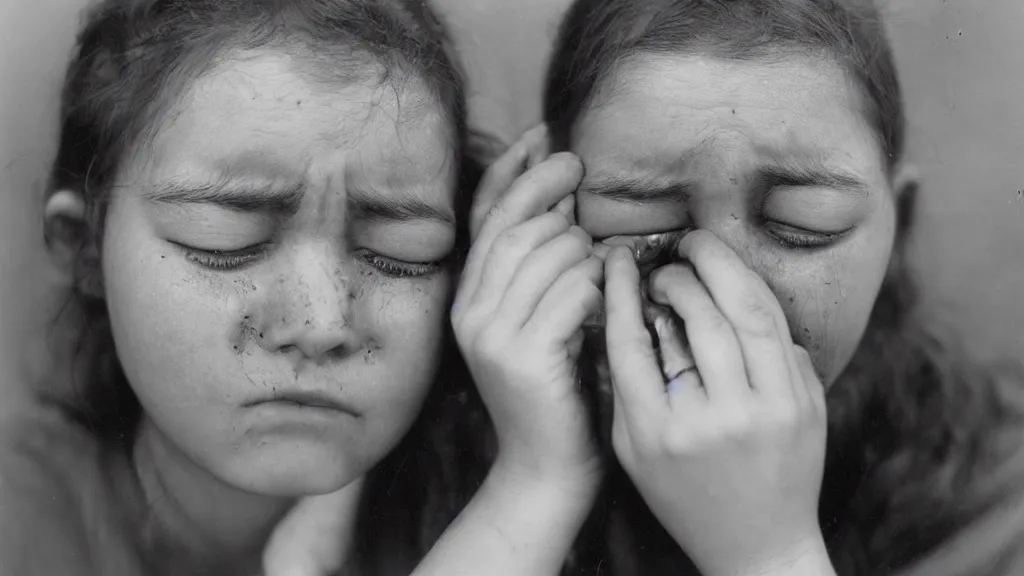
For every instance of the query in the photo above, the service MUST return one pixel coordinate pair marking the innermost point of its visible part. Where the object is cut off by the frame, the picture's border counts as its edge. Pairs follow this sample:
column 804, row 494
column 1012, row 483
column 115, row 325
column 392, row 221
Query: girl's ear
column 71, row 239
column 905, row 183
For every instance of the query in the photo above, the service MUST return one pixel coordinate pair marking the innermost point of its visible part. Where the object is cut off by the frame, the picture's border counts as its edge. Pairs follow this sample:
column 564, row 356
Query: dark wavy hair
column 917, row 430
column 133, row 57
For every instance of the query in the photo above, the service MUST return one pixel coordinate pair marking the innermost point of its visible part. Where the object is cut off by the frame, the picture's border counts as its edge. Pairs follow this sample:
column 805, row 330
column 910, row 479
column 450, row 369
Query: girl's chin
column 303, row 472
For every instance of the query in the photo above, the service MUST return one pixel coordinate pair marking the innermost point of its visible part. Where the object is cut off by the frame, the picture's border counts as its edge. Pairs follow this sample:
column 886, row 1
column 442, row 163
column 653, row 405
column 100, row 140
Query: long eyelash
column 399, row 268
column 218, row 260
column 805, row 241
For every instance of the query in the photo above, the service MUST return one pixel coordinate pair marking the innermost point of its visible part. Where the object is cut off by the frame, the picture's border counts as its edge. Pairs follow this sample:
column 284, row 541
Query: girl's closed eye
column 397, row 268
column 225, row 260
column 793, row 237
column 811, row 217
column 403, row 250
column 229, row 260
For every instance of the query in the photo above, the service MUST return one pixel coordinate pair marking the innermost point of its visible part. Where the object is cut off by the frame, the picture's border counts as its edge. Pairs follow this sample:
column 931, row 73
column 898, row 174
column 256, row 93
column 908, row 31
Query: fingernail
column 581, row 234
column 601, row 250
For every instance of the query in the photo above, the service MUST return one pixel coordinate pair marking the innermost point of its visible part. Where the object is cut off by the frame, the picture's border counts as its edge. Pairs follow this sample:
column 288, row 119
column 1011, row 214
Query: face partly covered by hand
column 774, row 159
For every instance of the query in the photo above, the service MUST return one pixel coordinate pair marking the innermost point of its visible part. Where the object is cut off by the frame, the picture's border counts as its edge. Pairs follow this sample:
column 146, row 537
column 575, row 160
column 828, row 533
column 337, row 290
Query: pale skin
column 530, row 280
column 280, row 237
column 794, row 212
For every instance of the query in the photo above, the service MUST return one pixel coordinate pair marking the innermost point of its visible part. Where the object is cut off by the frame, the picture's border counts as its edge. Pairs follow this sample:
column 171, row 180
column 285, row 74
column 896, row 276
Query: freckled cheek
column 408, row 306
column 409, row 326
column 163, row 310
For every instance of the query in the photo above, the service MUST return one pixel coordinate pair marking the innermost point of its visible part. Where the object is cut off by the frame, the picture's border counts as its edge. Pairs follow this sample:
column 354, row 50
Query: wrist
column 573, row 488
column 807, row 557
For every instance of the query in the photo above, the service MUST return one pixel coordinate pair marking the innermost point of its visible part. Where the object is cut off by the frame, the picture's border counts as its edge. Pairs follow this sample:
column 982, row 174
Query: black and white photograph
column 511, row 288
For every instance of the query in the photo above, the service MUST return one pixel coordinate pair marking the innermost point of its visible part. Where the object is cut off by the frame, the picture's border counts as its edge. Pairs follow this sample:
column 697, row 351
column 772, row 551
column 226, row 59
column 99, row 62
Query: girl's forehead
column 258, row 114
column 657, row 111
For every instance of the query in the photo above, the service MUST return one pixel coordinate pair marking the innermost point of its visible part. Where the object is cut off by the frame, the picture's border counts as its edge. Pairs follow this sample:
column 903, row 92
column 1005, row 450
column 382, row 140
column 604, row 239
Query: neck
column 218, row 523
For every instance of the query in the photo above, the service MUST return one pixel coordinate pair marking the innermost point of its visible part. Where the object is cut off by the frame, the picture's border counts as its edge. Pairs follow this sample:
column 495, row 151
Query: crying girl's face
column 776, row 159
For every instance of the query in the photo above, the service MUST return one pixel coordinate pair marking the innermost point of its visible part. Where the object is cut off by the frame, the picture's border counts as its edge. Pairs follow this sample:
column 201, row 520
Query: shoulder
column 40, row 446
column 47, row 463
column 992, row 545
column 992, row 542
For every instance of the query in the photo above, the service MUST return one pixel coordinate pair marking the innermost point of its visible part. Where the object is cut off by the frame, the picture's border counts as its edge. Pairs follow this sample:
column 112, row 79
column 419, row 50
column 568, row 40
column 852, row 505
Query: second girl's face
column 274, row 266
column 774, row 158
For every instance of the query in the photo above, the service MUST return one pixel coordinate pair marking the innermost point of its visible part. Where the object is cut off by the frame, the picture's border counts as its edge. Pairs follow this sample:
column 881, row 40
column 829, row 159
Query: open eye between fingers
column 650, row 251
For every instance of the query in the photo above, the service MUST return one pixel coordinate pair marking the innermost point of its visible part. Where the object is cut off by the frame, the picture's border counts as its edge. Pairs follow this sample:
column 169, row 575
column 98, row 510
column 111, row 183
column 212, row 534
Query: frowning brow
column 637, row 190
column 796, row 173
column 285, row 199
column 809, row 174
column 404, row 207
column 232, row 194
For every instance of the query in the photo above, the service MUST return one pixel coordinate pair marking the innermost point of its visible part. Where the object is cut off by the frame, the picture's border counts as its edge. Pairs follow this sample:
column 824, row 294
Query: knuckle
column 757, row 317
column 784, row 415
column 510, row 242
column 780, row 418
column 495, row 212
column 716, row 321
column 676, row 440
column 736, row 425
column 627, row 343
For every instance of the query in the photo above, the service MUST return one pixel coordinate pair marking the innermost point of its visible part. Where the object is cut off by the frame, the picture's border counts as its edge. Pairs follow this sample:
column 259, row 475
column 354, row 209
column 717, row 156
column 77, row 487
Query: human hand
column 530, row 280
column 730, row 454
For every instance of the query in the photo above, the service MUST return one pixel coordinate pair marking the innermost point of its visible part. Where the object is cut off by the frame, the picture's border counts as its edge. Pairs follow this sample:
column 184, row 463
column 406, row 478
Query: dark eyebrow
column 233, row 194
column 378, row 207
column 637, row 190
column 808, row 174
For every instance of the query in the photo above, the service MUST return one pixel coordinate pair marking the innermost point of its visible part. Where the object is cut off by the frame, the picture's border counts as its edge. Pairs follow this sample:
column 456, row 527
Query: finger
column 539, row 271
column 716, row 349
column 532, row 194
column 506, row 256
column 686, row 391
column 684, row 386
column 815, row 390
column 538, row 145
column 570, row 300
column 636, row 376
column 531, row 149
column 750, row 307
column 497, row 179
column 567, row 207
column 675, row 354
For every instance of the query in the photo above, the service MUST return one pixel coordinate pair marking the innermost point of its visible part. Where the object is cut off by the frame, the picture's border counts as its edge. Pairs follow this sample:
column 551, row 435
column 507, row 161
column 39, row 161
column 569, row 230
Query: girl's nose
column 314, row 308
